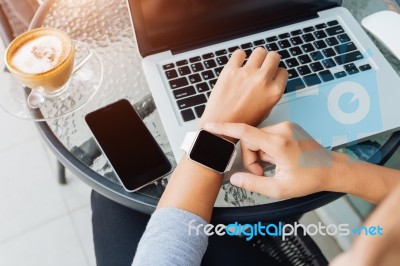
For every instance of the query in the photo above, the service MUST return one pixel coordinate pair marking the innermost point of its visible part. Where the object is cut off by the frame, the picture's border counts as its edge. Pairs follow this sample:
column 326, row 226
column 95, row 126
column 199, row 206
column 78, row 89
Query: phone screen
column 128, row 145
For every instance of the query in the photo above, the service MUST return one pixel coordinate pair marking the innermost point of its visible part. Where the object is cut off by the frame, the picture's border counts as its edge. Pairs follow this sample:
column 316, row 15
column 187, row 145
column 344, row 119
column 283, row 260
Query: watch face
column 212, row 151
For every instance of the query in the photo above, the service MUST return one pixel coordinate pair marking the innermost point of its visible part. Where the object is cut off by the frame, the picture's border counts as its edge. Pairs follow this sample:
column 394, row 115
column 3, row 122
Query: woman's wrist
column 338, row 177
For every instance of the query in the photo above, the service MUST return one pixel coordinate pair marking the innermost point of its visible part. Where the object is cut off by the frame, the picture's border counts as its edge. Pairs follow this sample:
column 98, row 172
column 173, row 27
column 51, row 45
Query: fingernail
column 236, row 180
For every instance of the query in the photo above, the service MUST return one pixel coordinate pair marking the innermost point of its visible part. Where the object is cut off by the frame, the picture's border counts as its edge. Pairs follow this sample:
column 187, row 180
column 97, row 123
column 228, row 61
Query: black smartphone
column 130, row 148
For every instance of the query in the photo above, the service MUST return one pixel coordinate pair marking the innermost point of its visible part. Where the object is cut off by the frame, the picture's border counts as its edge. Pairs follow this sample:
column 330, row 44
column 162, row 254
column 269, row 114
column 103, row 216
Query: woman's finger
column 270, row 64
column 256, row 58
column 253, row 137
column 236, row 59
column 267, row 186
column 250, row 160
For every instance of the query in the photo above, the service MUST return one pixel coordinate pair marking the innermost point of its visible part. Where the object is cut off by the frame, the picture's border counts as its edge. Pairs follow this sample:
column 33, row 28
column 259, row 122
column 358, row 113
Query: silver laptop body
column 341, row 89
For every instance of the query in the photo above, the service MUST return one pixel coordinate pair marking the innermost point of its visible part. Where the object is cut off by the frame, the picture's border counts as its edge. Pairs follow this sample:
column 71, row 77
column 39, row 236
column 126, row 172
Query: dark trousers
column 117, row 231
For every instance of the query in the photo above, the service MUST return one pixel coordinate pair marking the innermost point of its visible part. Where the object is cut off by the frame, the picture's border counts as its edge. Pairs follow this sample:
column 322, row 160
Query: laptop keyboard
column 312, row 55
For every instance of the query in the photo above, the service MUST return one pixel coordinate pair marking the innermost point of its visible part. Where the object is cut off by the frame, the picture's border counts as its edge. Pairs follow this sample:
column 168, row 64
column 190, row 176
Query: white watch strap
column 189, row 140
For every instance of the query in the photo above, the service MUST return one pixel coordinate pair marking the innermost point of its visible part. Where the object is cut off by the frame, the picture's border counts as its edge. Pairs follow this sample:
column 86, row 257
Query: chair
column 15, row 17
column 295, row 250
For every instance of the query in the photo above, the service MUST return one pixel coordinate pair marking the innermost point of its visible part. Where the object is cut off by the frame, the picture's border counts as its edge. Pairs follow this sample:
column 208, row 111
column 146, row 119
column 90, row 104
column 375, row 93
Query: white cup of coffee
column 43, row 60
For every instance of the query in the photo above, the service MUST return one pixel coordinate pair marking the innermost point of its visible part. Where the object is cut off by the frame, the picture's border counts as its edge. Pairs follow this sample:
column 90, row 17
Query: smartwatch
column 209, row 150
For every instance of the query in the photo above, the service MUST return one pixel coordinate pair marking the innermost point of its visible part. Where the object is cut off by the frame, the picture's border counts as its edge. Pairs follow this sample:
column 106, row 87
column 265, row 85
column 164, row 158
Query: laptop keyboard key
column 232, row 49
column 188, row 115
column 182, row 63
column 340, row 74
column 328, row 52
column 331, row 41
column 316, row 66
column 177, row 83
column 194, row 78
column 308, row 37
column 212, row 83
column 321, row 26
column 218, row 71
column 320, row 44
column 272, row 47
column 343, row 38
column 202, row 87
column 317, row 55
column 208, row 56
column 326, row 75
column 307, row 48
column 191, row 101
column 171, row 74
column 365, row 67
column 209, row 74
column 199, row 110
column 332, row 23
column 222, row 60
column 272, row 39
column 210, row 63
column 351, row 68
column 296, row 32
column 304, row 59
column 284, row 44
column 312, row 80
column 309, row 29
column 320, row 34
column 259, row 42
column 248, row 52
column 294, row 85
column 184, row 92
column 334, row 30
column 195, row 59
column 247, row 45
column 284, row 54
column 349, row 57
column 283, row 35
column 185, row 70
column 292, row 62
column 296, row 40
column 295, row 51
column 304, row 70
column 168, row 66
column 292, row 73
column 328, row 63
column 197, row 67
column 282, row 65
column 345, row 48
column 221, row 52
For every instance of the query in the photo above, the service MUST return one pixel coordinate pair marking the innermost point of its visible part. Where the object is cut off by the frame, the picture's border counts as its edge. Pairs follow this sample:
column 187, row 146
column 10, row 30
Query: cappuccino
column 42, row 59
column 39, row 55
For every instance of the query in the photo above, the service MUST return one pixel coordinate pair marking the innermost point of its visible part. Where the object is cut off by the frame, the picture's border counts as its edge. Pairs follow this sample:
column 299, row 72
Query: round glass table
column 105, row 25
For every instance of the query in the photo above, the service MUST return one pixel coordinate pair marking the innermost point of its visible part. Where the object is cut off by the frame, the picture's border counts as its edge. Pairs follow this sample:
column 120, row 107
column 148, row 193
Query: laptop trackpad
column 310, row 110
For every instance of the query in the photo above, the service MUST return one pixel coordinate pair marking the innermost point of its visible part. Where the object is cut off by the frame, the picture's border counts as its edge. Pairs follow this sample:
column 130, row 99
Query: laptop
column 340, row 88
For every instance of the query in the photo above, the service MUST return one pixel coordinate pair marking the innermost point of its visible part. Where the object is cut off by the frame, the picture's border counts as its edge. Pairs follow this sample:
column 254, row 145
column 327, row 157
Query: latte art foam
column 39, row 55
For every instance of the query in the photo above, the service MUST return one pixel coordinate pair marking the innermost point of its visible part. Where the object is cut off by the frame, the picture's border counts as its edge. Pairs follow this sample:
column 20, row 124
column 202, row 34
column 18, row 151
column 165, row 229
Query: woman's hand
column 382, row 248
column 246, row 94
column 302, row 165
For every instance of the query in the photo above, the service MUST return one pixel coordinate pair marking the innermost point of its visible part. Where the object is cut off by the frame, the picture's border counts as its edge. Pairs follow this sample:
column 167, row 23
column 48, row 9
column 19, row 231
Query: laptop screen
column 181, row 24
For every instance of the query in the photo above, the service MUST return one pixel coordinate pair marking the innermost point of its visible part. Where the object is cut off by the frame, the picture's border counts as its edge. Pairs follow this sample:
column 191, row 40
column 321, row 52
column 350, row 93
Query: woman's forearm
column 368, row 181
column 192, row 188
